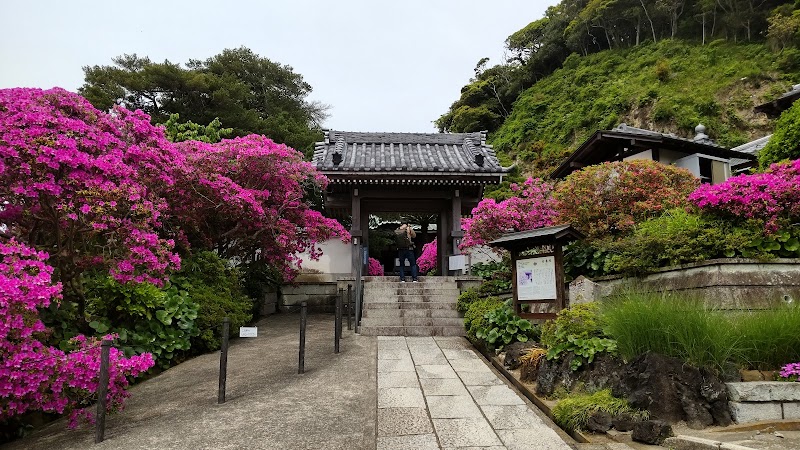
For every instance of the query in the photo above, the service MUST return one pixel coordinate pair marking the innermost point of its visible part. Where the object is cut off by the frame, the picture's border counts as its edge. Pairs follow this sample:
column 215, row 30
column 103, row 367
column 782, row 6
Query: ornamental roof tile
column 403, row 153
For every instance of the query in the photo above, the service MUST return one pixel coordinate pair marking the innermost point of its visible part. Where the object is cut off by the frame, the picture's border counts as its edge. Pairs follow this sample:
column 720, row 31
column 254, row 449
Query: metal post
column 349, row 306
column 223, row 360
column 301, row 368
column 337, row 322
column 359, row 287
column 102, row 391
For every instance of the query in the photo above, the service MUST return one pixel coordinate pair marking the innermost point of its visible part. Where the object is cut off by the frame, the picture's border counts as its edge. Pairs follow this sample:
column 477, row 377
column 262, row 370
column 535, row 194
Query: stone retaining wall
column 724, row 283
column 764, row 400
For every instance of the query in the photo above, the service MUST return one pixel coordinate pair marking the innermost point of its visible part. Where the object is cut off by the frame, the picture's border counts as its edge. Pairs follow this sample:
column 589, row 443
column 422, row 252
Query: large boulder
column 673, row 391
column 515, row 351
column 604, row 372
column 651, row 432
column 599, row 422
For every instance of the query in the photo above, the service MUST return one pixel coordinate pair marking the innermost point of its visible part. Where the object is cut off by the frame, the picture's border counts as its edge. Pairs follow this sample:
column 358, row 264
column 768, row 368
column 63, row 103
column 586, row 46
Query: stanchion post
column 223, row 360
column 301, row 367
column 102, row 391
column 349, row 306
column 337, row 322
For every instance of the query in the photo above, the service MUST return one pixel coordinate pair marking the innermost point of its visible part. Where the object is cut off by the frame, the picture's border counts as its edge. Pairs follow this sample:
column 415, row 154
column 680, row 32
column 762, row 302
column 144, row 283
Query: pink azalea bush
column 533, row 207
column 427, row 260
column 35, row 376
column 374, row 268
column 772, row 196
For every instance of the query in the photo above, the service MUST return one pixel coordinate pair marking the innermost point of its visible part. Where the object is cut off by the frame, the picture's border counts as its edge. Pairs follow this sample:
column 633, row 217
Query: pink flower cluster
column 34, row 376
column 374, row 268
column 533, row 207
column 791, row 370
column 770, row 196
column 427, row 260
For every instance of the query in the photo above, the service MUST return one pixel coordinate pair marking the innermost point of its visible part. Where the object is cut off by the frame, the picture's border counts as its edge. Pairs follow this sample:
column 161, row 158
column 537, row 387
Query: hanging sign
column 536, row 278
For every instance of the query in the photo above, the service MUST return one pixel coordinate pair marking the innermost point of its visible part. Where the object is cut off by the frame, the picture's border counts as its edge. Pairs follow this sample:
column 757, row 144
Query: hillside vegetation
column 661, row 64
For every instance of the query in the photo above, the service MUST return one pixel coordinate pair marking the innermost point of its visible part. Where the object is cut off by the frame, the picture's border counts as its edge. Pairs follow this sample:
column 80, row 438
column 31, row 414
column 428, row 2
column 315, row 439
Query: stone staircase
column 426, row 308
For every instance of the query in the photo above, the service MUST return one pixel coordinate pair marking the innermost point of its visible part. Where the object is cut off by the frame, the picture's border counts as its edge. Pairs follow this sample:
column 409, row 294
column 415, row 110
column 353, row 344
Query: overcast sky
column 380, row 65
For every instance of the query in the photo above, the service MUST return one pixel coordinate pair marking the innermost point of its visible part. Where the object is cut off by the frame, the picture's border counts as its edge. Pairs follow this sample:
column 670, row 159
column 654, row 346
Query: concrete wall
column 724, row 283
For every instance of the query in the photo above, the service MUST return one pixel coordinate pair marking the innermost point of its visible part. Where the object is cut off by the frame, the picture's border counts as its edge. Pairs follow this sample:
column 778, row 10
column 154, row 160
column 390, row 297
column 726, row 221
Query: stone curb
column 683, row 442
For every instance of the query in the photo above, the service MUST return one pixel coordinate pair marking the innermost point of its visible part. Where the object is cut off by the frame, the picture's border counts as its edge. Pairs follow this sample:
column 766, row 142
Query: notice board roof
column 539, row 236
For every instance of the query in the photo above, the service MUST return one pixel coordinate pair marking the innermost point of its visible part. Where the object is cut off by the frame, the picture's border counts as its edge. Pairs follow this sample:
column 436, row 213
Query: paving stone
column 397, row 379
column 392, row 345
column 453, row 342
column 394, row 354
column 532, row 439
column 442, row 386
column 480, row 379
column 400, row 398
column 395, row 365
column 743, row 412
column 436, row 371
column 465, row 433
column 452, row 407
column 459, row 353
column 510, row 417
column 469, row 365
column 493, row 447
column 418, row 441
column 494, row 395
column 427, row 356
column 420, row 340
column 403, row 421
column 391, row 338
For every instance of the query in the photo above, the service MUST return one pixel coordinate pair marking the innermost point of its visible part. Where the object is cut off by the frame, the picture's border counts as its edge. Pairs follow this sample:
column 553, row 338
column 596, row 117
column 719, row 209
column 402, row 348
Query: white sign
column 248, row 331
column 458, row 262
column 536, row 278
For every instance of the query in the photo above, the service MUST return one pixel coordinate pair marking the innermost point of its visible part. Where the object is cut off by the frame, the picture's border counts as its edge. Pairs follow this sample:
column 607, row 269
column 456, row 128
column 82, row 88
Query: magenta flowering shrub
column 427, row 260
column 791, row 371
column 533, row 207
column 34, row 376
column 772, row 196
column 78, row 182
column 245, row 197
column 374, row 268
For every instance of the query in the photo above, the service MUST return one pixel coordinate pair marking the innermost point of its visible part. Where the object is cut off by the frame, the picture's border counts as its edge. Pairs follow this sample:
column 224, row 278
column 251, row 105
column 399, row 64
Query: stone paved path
column 437, row 393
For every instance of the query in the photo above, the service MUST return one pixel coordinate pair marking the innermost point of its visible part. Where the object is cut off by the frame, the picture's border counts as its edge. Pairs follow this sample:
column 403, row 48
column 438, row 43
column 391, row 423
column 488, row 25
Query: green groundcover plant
column 503, row 326
column 573, row 412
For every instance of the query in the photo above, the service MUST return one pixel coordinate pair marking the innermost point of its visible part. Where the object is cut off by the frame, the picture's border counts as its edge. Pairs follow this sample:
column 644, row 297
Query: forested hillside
column 666, row 65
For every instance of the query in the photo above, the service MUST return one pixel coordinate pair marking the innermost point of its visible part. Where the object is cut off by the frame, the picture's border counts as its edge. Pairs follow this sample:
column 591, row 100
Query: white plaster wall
column 647, row 155
column 336, row 258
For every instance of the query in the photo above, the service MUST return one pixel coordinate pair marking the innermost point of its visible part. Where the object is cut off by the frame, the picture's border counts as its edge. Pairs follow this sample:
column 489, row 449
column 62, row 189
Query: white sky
column 381, row 65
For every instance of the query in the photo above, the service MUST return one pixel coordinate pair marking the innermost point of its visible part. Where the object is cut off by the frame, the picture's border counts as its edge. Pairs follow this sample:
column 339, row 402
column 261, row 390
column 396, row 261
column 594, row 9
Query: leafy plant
column 466, row 299
column 785, row 142
column 475, row 317
column 577, row 330
column 573, row 412
column 584, row 349
column 504, row 327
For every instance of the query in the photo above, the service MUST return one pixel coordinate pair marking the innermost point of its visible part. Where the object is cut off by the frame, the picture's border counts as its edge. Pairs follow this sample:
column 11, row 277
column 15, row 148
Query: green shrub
column 573, row 412
column 577, row 330
column 768, row 339
column 785, row 142
column 503, row 327
column 466, row 299
column 160, row 321
column 217, row 290
column 474, row 318
column 674, row 326
column 494, row 287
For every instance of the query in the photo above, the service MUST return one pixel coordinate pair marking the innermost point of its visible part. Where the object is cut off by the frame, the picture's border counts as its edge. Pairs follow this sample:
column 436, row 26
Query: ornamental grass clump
column 572, row 413
column 768, row 338
column 672, row 326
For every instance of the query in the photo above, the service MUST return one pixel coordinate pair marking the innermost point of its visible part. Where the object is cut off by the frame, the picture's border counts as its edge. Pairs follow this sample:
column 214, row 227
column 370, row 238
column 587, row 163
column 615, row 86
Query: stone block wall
column 764, row 400
column 723, row 283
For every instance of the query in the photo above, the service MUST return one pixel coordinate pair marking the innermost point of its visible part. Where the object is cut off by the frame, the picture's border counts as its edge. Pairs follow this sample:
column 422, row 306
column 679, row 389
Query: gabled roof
column 624, row 141
column 420, row 155
column 780, row 104
column 751, row 148
column 539, row 236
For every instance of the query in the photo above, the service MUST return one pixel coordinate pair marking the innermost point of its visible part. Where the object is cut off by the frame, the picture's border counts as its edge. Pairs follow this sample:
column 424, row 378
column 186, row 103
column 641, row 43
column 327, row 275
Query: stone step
column 412, row 331
column 410, row 290
column 412, row 322
column 395, row 305
column 411, row 299
column 399, row 313
column 421, row 279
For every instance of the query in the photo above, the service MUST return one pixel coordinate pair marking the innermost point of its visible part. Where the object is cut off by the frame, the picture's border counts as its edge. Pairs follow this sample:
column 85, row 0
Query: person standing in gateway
column 405, row 251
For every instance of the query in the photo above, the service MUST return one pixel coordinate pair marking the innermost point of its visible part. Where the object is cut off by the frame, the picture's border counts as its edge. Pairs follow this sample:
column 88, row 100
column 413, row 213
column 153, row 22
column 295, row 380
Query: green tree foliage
column 785, row 142
column 245, row 91
column 177, row 131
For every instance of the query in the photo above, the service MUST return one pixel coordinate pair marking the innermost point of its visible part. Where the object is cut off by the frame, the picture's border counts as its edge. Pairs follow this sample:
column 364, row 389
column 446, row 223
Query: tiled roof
column 700, row 138
column 753, row 147
column 405, row 153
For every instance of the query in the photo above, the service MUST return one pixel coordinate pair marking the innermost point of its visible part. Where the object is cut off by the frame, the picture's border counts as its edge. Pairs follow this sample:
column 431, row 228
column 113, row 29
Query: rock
column 623, row 422
column 674, row 391
column 514, row 352
column 651, row 432
column 603, row 373
column 599, row 422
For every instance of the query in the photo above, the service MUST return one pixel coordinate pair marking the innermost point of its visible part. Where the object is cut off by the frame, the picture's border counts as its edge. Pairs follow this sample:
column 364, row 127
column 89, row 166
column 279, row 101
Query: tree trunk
column 653, row 28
